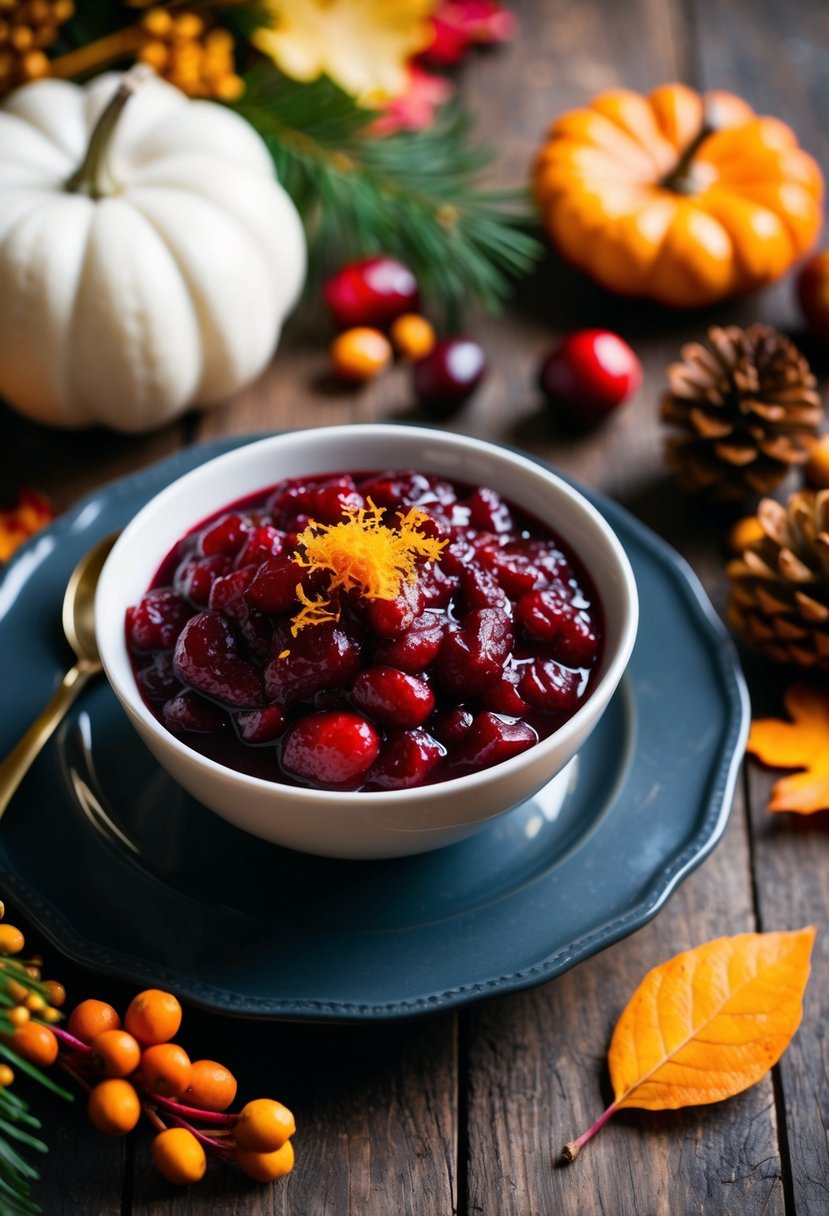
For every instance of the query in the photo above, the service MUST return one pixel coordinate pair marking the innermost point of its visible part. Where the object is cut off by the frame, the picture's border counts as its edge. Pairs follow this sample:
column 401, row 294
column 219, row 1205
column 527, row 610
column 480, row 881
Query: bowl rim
column 128, row 693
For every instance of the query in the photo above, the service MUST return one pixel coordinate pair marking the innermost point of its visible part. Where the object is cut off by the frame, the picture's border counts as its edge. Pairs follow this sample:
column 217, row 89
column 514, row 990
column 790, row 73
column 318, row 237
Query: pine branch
column 413, row 194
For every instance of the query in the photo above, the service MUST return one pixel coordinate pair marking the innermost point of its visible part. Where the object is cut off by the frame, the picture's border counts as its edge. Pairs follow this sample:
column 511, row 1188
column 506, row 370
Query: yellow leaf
column 707, row 1024
column 802, row 743
column 363, row 45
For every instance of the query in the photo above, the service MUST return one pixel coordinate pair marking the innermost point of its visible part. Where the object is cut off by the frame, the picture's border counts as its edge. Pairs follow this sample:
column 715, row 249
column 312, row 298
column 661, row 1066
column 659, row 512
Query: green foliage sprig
column 18, row 1126
column 417, row 195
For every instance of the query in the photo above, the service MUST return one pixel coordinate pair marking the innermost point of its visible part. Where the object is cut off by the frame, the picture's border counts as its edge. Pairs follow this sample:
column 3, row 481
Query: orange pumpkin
column 680, row 197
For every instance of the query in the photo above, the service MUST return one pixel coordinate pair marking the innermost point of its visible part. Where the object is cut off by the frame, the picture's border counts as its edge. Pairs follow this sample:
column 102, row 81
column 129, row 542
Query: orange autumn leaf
column 802, row 743
column 30, row 513
column 707, row 1024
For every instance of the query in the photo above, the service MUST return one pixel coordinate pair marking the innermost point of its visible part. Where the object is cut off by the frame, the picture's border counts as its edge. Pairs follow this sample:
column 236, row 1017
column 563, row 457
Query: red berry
column 323, row 656
column 330, row 748
column 813, row 294
column 548, row 686
column 547, row 616
column 205, row 658
column 406, row 760
column 392, row 697
column 255, row 726
column 417, row 648
column 472, row 658
column 589, row 373
column 192, row 713
column 196, row 575
column 449, row 375
column 490, row 740
column 370, row 292
column 155, row 623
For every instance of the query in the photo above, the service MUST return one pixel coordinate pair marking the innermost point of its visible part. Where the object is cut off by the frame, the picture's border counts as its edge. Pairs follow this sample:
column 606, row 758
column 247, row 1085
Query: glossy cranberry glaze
column 491, row 648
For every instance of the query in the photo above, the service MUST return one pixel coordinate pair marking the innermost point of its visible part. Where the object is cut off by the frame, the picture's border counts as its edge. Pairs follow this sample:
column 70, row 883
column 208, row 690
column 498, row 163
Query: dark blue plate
column 126, row 873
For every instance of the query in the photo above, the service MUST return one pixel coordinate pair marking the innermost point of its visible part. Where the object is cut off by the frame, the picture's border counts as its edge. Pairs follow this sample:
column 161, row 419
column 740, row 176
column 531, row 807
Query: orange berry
column 12, row 940
column 744, row 533
column 35, row 1002
column 264, row 1167
column 115, row 1053
column 35, row 1043
column 817, row 466
column 264, row 1125
column 113, row 1107
column 19, row 1015
column 50, row 1014
column 6, row 1076
column 56, row 993
column 412, row 336
column 91, row 1018
column 212, row 1086
column 166, row 1069
column 153, row 1016
column 16, row 991
column 178, row 1155
column 359, row 354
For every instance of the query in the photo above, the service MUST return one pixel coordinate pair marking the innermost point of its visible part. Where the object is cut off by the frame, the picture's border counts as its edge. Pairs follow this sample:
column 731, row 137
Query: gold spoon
column 79, row 627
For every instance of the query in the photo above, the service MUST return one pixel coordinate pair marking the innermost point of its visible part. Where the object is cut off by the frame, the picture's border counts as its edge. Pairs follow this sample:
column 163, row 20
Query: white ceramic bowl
column 377, row 824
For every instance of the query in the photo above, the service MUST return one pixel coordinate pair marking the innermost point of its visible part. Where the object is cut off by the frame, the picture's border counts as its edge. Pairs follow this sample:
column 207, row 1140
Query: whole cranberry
column 448, row 376
column 330, row 748
column 370, row 292
column 813, row 294
column 589, row 374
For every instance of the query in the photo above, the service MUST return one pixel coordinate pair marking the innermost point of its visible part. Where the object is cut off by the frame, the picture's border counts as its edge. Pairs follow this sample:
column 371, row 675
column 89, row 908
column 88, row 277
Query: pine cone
column 780, row 584
column 748, row 408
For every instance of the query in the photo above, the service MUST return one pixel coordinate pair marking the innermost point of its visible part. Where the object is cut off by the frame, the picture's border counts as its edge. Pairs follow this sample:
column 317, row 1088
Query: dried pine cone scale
column 746, row 410
column 779, row 597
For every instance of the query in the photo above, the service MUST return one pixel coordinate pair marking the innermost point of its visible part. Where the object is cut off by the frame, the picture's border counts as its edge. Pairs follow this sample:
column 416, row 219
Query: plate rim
column 715, row 810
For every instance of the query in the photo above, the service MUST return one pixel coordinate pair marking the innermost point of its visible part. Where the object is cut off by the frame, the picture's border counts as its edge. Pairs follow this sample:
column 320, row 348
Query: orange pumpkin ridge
column 676, row 196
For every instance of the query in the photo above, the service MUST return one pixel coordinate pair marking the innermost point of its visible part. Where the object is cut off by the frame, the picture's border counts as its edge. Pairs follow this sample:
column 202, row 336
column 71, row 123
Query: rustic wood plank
column 779, row 64
column 376, row 1116
column 535, row 1062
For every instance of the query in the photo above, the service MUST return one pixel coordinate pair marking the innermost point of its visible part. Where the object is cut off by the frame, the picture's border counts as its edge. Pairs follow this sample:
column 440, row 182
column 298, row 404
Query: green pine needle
column 416, row 195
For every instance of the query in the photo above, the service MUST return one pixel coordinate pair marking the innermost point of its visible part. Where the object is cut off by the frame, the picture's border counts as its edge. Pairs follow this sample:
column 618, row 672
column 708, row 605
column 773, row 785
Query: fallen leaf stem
column 193, row 1112
column 574, row 1147
column 70, row 1041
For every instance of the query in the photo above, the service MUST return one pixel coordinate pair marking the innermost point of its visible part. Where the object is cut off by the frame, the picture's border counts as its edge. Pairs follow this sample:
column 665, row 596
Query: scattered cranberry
column 589, row 374
column 370, row 292
column 330, row 748
column 813, row 294
column 449, row 375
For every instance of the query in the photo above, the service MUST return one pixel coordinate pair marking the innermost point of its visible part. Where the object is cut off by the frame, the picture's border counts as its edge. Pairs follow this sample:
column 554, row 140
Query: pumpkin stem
column 93, row 176
column 680, row 179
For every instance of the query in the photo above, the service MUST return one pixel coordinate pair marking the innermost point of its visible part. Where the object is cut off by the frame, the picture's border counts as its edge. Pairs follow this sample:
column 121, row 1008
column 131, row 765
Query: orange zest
column 362, row 553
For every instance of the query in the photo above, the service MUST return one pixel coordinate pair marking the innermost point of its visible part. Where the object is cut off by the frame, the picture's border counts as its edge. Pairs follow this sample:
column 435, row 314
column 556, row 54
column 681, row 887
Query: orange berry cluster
column 27, row 28
column 135, row 1068
column 198, row 60
column 360, row 353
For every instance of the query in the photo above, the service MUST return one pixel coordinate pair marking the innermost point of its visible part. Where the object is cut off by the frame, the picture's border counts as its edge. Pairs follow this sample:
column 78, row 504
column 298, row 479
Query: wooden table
column 465, row 1112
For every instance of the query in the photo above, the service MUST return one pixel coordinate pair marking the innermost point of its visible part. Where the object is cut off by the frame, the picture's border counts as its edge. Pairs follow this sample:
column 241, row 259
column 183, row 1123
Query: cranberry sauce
column 490, row 649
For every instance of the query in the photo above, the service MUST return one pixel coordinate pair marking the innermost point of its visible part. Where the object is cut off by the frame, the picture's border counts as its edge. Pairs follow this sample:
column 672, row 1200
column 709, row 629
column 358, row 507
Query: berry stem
column 70, row 1041
column 76, row 1076
column 192, row 1112
column 215, row 1146
column 574, row 1147
column 153, row 1116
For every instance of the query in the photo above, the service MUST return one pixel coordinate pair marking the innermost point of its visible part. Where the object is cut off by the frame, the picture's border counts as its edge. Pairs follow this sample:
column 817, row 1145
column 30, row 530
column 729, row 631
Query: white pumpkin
column 167, row 288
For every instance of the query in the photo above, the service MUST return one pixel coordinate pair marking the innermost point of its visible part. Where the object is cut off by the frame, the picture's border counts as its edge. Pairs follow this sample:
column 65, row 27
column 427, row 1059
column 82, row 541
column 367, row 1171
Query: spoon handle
column 19, row 760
